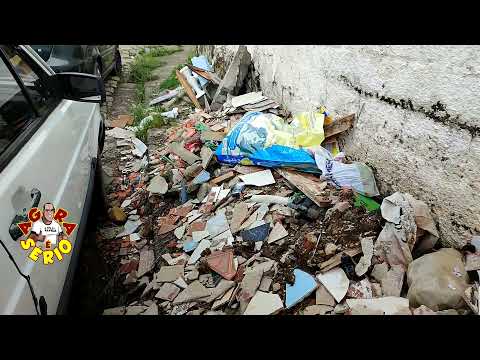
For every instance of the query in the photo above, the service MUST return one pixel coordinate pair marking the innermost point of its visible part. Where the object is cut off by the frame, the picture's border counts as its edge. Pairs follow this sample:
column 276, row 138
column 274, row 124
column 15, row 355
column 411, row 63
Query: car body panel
column 80, row 58
column 57, row 161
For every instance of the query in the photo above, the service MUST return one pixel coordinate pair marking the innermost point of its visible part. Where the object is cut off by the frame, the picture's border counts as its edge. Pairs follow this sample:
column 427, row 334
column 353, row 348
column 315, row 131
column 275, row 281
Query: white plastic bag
column 357, row 176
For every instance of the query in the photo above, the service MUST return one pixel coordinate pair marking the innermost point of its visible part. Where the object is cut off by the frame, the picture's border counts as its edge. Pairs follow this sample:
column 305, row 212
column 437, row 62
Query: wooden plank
column 336, row 260
column 222, row 178
column 209, row 75
column 188, row 89
column 339, row 126
column 310, row 185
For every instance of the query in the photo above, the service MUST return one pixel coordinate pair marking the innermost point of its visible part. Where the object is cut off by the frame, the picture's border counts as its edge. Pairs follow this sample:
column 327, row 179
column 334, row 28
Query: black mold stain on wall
column 437, row 111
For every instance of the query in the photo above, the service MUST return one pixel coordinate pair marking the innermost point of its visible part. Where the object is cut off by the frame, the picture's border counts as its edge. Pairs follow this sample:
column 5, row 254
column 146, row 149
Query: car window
column 39, row 94
column 15, row 110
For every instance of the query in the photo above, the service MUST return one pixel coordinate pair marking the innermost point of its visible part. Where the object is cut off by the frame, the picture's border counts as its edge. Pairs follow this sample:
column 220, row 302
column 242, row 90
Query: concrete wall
column 420, row 124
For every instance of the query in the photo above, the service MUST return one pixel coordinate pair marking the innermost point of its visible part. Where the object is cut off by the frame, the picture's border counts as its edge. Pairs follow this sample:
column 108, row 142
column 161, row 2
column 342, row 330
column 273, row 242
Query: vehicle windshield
column 43, row 50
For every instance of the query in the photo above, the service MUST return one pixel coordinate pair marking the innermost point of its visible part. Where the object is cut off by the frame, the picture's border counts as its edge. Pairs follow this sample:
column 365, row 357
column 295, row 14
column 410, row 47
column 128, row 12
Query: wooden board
column 336, row 260
column 339, row 126
column 308, row 184
column 210, row 76
column 188, row 89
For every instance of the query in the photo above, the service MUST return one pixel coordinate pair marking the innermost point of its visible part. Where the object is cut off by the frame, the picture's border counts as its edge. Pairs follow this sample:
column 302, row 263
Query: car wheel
column 117, row 68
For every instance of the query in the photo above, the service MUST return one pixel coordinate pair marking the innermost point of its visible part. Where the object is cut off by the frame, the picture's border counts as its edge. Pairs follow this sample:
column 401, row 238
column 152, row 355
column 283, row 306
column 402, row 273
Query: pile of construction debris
column 198, row 236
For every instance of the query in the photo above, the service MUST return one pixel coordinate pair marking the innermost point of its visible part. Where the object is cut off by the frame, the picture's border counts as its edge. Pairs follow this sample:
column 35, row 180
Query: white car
column 51, row 136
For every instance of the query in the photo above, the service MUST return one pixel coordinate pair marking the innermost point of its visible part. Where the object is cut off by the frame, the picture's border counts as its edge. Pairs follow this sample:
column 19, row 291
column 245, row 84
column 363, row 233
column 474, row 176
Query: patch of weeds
column 172, row 82
column 162, row 51
column 139, row 111
column 143, row 66
column 156, row 122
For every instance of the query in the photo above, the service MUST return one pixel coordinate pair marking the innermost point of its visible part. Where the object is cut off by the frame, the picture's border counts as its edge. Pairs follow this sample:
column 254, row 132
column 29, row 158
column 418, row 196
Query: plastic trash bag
column 357, row 175
column 267, row 140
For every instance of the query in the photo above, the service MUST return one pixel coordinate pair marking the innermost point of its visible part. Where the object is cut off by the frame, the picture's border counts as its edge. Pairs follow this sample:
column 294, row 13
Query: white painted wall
column 436, row 160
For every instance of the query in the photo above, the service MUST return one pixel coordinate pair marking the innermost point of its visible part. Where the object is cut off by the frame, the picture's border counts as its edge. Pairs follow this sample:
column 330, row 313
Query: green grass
column 171, row 82
column 157, row 122
column 141, row 72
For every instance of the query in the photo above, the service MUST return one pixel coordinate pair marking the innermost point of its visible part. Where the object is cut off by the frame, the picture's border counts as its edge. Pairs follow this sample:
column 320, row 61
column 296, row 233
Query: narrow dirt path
column 96, row 280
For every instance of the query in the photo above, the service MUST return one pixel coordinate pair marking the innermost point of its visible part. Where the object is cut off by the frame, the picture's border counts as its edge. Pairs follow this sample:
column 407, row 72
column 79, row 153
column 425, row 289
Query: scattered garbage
column 240, row 208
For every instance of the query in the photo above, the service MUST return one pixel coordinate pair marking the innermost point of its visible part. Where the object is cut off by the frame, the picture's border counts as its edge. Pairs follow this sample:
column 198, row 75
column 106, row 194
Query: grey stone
column 194, row 291
column 169, row 273
column 234, row 77
column 438, row 280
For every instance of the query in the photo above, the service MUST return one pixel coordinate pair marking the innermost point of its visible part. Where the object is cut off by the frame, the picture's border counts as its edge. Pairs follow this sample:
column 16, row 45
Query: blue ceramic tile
column 304, row 285
column 190, row 246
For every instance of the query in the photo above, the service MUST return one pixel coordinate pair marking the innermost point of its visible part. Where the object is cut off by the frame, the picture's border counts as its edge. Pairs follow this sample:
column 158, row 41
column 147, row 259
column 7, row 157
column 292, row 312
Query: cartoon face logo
column 47, row 230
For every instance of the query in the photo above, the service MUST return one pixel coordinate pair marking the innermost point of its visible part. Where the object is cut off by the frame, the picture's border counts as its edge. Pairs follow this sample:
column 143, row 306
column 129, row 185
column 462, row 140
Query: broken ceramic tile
column 181, row 283
column 264, row 304
column 134, row 237
column 204, row 244
column 379, row 271
column 317, row 310
column 250, row 283
column 336, row 282
column 181, row 309
column 120, row 133
column 260, row 178
column 192, row 275
column 258, row 215
column 303, row 286
column 146, row 263
column 240, row 212
column 390, row 211
column 218, row 291
column 217, row 224
column 183, row 153
column 224, row 299
column 129, row 228
column 189, row 245
column 366, row 260
column 158, row 185
column 323, row 297
column 360, row 290
column 258, row 233
column 388, row 305
column 198, row 236
column 152, row 310
column 135, row 310
column 140, row 147
column 222, row 263
column 206, row 280
column 265, row 284
column 194, row 291
column 115, row 311
column 168, row 292
column 206, row 154
column 201, row 178
column 126, row 203
column 392, row 282
column 169, row 273
column 166, row 228
column 180, row 231
column 278, row 232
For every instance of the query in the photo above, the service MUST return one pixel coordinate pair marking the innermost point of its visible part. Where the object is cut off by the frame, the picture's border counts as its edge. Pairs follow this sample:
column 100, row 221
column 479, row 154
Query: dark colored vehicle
column 92, row 59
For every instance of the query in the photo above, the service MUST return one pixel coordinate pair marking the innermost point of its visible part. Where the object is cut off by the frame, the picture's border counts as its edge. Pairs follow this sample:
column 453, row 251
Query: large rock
column 437, row 280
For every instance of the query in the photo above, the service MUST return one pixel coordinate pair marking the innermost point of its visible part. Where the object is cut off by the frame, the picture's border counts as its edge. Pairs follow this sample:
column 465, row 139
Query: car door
column 46, row 151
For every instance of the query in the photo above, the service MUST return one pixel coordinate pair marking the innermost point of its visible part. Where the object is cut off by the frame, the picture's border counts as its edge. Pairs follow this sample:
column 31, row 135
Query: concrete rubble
column 206, row 238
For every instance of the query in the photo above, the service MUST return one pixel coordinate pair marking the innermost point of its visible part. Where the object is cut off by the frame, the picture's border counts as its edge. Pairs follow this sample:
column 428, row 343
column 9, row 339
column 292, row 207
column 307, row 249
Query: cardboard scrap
column 339, row 125
column 308, row 184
